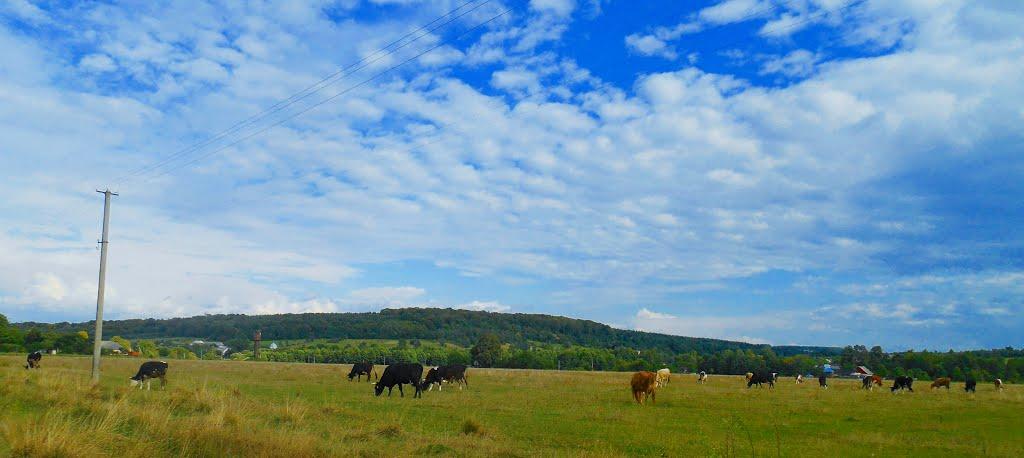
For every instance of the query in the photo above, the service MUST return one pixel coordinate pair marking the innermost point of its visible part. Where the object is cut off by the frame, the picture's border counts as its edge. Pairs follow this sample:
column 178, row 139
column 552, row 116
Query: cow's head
column 132, row 382
column 378, row 389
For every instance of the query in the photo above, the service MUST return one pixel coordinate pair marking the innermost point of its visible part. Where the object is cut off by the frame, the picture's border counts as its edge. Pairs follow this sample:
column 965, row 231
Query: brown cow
column 643, row 383
column 940, row 382
column 748, row 376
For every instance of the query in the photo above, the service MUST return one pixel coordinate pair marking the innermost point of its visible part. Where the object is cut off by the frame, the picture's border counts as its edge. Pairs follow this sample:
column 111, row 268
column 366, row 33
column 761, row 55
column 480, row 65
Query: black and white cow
column 360, row 369
column 455, row 373
column 148, row 371
column 971, row 385
column 400, row 374
column 32, row 362
column 761, row 377
column 823, row 381
column 902, row 383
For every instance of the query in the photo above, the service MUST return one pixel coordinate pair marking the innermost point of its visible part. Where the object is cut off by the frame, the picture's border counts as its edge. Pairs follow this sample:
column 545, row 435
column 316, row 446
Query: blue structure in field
column 827, row 370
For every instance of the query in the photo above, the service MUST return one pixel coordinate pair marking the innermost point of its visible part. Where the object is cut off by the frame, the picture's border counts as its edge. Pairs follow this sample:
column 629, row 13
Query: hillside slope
column 463, row 327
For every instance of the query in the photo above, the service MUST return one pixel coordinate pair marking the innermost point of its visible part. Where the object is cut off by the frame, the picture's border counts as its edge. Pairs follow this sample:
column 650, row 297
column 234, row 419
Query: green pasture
column 230, row 408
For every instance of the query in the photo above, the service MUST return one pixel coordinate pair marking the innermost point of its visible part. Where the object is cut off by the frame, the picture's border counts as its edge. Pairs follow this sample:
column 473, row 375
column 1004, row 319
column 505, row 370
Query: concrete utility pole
column 98, row 336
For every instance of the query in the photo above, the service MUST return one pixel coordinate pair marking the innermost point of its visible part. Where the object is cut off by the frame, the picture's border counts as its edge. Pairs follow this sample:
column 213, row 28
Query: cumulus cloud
column 650, row 45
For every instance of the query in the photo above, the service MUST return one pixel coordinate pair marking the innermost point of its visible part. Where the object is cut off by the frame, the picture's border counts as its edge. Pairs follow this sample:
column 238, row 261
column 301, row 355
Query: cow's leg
column 400, row 392
column 390, row 387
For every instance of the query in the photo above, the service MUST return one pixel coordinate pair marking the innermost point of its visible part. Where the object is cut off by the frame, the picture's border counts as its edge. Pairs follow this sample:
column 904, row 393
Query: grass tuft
column 390, row 431
column 472, row 427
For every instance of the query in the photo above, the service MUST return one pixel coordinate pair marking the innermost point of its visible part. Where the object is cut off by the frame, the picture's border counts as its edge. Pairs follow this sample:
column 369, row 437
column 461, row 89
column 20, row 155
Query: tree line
column 462, row 327
column 500, row 340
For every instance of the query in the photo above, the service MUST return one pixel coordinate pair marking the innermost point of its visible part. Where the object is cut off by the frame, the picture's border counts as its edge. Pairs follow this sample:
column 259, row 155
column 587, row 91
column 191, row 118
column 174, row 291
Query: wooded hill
column 462, row 327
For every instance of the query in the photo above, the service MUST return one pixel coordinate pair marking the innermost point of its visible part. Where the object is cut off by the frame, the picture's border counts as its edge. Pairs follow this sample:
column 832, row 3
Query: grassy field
column 214, row 408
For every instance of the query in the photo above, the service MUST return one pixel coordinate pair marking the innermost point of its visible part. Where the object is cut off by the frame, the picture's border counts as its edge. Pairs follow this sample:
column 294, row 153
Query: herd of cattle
column 645, row 383
column 399, row 374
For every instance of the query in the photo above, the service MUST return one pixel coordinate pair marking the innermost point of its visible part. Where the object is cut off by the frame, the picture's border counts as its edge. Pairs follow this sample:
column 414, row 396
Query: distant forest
column 444, row 336
column 461, row 327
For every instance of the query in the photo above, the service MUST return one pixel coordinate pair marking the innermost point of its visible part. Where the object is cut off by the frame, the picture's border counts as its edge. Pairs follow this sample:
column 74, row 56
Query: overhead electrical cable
column 331, row 97
column 389, row 49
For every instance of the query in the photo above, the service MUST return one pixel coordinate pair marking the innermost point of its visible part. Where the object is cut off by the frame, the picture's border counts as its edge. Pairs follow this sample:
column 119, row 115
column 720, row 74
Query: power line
column 314, row 88
column 332, row 97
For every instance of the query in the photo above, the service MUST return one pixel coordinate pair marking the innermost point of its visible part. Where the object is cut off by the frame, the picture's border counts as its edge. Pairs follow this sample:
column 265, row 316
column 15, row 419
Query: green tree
column 148, row 349
column 125, row 343
column 33, row 336
column 72, row 343
column 487, row 351
column 181, row 353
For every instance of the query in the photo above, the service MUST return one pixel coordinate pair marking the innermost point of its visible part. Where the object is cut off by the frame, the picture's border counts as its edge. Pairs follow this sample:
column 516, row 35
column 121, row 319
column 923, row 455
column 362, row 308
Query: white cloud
column 486, row 306
column 800, row 63
column 649, row 45
column 556, row 7
column 738, row 328
column 97, row 63
column 733, row 10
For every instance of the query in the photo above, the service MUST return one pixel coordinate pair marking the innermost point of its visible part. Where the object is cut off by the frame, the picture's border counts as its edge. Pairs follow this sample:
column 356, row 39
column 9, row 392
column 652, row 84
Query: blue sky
column 819, row 172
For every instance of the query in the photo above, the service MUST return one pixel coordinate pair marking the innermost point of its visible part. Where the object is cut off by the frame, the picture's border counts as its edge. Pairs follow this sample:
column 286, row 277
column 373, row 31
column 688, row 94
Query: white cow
column 663, row 376
column 702, row 377
column 799, row 378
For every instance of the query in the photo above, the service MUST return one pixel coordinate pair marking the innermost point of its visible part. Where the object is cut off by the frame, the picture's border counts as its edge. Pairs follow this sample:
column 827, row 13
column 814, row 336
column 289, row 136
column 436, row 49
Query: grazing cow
column 455, row 373
column 148, row 371
column 644, row 383
column 400, row 374
column 663, row 375
column 32, row 362
column 759, row 378
column 870, row 381
column 799, row 378
column 823, row 381
column 360, row 369
column 702, row 377
column 902, row 383
column 941, row 382
column 971, row 385
column 748, row 376
column 999, row 384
